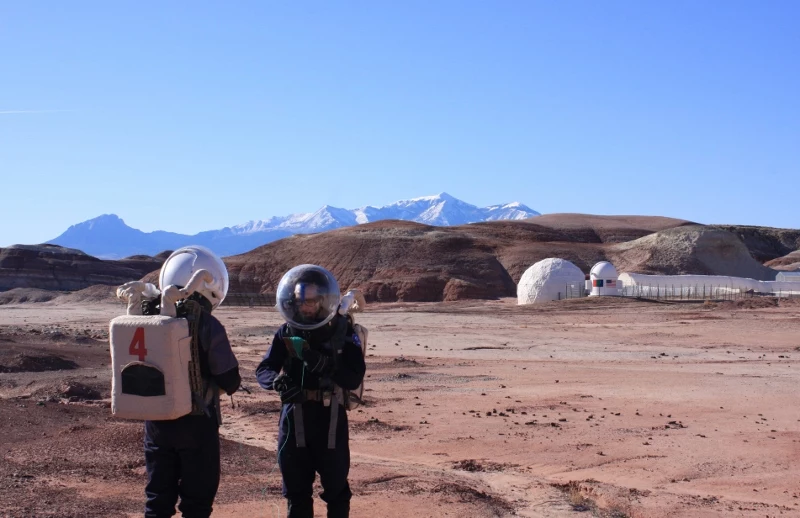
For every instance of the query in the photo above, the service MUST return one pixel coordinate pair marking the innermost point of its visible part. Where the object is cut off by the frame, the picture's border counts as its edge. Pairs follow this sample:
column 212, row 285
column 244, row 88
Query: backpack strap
column 334, row 420
column 299, row 427
column 196, row 382
column 297, row 408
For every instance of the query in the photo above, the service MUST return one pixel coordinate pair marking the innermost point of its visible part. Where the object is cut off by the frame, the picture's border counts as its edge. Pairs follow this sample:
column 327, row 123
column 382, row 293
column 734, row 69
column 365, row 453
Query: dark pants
column 182, row 460
column 300, row 465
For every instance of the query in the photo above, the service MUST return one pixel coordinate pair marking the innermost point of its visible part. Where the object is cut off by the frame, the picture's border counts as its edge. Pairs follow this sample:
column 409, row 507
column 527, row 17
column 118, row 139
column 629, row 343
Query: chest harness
column 329, row 394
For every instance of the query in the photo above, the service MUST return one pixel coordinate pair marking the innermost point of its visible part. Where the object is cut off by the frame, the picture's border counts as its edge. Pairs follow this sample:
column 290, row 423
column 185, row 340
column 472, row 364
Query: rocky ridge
column 394, row 260
column 52, row 267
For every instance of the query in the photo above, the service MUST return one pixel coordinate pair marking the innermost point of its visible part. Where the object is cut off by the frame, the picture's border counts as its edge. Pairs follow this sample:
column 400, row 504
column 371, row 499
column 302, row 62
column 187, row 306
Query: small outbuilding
column 605, row 279
column 788, row 277
column 550, row 279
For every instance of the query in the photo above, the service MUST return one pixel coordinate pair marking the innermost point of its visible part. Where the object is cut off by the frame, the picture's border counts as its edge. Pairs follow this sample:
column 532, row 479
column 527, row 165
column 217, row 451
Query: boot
column 339, row 509
column 300, row 508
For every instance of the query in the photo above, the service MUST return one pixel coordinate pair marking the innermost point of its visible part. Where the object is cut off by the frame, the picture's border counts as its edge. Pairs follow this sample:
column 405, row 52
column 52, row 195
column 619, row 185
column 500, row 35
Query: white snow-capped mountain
column 326, row 218
column 107, row 236
column 441, row 210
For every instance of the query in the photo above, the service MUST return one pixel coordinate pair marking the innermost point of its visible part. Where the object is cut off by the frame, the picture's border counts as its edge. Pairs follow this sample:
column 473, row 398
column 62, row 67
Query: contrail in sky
column 9, row 112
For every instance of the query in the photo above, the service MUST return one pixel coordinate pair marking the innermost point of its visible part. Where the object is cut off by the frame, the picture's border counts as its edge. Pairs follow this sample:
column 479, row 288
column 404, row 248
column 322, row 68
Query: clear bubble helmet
column 308, row 296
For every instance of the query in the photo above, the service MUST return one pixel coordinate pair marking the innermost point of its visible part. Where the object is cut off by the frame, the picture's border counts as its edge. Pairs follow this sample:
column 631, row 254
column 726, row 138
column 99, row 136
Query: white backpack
column 355, row 397
column 155, row 358
column 353, row 302
column 150, row 360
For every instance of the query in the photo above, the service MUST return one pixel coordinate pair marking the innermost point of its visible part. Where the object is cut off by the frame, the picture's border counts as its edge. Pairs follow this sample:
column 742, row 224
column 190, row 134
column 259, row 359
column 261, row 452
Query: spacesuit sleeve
column 222, row 362
column 272, row 362
column 349, row 373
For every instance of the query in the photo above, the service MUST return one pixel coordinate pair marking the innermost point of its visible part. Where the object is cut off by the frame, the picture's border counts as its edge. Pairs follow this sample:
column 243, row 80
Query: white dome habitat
column 550, row 279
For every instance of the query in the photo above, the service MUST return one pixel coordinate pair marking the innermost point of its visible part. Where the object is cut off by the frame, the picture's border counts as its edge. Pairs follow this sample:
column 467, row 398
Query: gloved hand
column 287, row 389
column 317, row 362
column 134, row 292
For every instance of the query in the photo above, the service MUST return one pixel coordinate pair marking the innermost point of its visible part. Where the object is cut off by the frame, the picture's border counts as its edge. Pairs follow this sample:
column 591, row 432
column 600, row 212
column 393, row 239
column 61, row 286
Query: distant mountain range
column 108, row 237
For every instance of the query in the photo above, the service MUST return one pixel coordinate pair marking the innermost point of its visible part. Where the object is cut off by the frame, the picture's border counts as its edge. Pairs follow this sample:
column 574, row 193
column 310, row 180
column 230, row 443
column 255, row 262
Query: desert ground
column 589, row 407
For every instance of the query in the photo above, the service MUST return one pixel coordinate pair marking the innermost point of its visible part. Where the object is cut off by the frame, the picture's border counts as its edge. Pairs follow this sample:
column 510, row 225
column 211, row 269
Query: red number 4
column 137, row 344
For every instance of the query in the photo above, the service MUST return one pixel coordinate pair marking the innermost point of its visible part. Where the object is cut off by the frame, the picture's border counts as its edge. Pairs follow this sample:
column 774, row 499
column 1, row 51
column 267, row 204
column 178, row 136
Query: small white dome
column 548, row 280
column 603, row 270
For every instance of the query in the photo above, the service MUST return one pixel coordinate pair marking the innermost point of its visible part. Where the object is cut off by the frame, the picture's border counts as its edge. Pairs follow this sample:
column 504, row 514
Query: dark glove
column 317, row 362
column 287, row 389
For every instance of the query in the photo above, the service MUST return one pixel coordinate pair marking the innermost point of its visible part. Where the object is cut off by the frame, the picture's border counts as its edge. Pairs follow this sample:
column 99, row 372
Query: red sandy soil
column 474, row 408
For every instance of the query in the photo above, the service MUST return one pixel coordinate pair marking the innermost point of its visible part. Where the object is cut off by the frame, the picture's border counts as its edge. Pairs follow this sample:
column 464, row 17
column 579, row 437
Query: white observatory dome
column 604, row 278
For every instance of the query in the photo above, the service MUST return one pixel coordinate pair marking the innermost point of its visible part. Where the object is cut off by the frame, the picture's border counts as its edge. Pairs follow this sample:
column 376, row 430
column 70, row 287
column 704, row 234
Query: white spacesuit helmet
column 182, row 264
column 308, row 296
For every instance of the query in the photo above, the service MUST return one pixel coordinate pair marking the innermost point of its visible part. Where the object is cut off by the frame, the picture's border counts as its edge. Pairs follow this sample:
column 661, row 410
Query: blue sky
column 190, row 116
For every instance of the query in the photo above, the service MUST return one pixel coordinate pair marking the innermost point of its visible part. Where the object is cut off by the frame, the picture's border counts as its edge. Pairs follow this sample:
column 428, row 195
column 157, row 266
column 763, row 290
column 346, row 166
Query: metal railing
column 699, row 292
column 573, row 290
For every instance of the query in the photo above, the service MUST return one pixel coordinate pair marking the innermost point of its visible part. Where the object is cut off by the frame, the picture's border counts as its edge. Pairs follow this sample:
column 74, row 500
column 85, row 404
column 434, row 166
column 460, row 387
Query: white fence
column 702, row 287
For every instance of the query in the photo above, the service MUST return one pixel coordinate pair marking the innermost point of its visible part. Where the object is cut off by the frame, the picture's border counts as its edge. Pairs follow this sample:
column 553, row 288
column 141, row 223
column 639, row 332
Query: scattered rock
column 32, row 363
